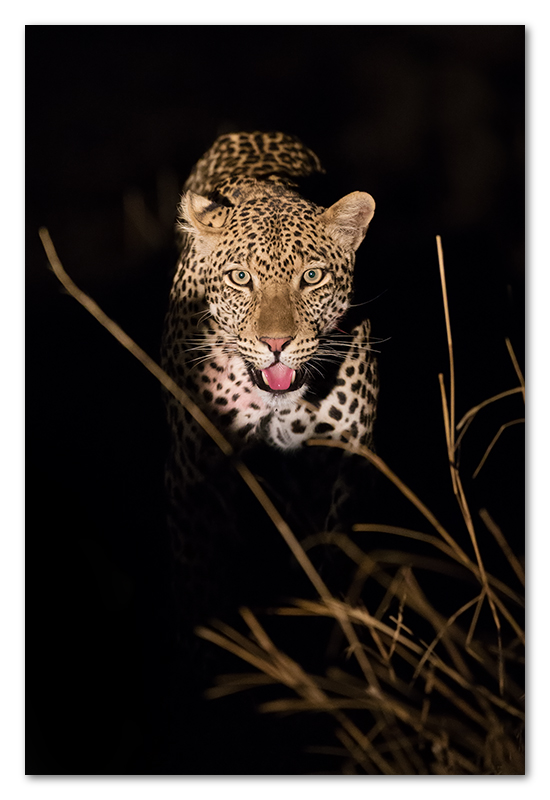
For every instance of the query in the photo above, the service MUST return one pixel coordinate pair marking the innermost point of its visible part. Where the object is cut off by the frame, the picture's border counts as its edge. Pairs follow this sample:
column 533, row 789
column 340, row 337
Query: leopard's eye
column 313, row 276
column 240, row 277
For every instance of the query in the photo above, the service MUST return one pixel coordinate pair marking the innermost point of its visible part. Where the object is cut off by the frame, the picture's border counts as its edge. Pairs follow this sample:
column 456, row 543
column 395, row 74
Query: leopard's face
column 278, row 278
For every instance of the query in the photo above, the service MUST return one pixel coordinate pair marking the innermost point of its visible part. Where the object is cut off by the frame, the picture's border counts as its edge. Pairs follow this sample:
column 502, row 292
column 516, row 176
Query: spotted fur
column 263, row 282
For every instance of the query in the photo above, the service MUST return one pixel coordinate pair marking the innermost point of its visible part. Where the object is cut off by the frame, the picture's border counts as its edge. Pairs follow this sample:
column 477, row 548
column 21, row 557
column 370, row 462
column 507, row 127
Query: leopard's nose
column 276, row 345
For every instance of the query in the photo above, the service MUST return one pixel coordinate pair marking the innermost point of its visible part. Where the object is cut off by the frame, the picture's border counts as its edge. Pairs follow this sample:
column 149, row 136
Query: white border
column 535, row 17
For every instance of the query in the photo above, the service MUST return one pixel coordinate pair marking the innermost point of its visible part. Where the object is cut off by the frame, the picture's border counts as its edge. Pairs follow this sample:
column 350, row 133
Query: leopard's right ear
column 203, row 218
column 348, row 219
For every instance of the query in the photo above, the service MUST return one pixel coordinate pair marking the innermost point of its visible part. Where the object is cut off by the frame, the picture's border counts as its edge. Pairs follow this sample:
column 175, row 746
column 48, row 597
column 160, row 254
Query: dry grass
column 408, row 704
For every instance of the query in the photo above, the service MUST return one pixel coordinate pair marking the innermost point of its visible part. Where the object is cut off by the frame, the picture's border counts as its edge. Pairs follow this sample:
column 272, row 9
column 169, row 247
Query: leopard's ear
column 203, row 218
column 348, row 219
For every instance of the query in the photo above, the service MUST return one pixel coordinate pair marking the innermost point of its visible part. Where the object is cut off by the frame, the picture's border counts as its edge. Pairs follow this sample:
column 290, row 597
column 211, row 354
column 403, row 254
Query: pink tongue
column 278, row 376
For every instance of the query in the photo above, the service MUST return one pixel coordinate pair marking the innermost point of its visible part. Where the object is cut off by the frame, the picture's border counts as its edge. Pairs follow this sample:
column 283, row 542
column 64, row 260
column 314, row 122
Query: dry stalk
column 467, row 418
column 370, row 565
column 441, row 632
column 405, row 645
column 403, row 488
column 516, row 366
column 494, row 441
column 423, row 537
column 495, row 602
column 289, row 673
column 449, row 421
column 505, row 547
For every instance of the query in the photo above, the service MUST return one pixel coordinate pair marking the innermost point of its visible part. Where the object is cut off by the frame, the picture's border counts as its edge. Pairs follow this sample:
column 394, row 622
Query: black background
column 430, row 121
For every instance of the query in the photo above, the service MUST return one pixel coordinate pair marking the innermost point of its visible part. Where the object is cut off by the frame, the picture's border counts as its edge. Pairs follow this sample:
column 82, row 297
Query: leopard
column 253, row 334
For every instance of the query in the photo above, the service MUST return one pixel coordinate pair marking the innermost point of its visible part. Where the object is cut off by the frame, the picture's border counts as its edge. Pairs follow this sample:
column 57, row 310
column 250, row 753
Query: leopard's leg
column 346, row 414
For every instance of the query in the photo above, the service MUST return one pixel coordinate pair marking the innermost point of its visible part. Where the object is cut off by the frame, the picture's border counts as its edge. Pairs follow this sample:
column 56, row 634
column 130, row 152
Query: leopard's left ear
column 348, row 219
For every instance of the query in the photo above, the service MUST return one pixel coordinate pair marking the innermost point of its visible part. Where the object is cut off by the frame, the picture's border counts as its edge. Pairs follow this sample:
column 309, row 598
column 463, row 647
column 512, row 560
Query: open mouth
column 278, row 378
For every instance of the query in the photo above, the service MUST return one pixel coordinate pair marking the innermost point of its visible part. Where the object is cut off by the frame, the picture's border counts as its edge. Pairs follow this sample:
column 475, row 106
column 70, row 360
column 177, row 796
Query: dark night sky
column 428, row 119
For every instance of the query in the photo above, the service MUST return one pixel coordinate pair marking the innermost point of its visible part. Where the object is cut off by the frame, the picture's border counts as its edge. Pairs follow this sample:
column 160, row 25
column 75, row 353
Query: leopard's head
column 278, row 275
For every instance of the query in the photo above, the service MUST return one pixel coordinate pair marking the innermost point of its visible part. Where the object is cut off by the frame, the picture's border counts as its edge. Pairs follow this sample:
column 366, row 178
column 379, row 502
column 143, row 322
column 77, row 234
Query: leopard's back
column 274, row 156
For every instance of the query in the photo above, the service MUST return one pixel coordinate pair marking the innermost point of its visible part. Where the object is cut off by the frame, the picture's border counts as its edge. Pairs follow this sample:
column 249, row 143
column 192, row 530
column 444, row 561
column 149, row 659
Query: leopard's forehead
column 276, row 233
